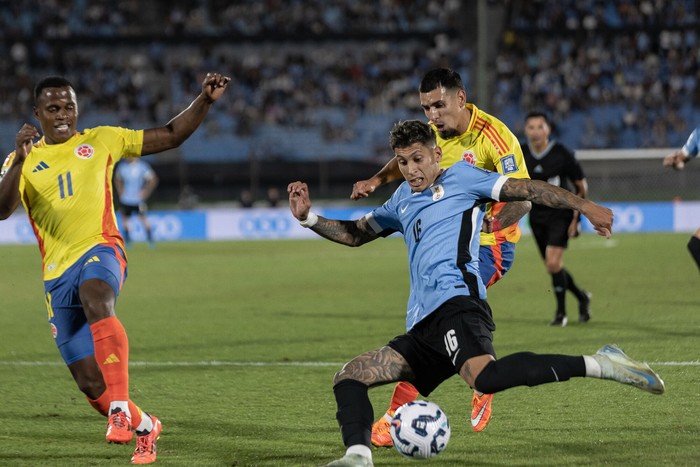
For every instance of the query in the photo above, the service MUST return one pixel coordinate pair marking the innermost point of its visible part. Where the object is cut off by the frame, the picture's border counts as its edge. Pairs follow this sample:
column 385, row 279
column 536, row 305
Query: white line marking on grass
column 253, row 364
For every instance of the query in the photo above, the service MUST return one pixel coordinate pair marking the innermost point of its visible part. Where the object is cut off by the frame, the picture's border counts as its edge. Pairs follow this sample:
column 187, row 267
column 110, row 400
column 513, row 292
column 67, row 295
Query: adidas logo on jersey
column 41, row 166
column 94, row 259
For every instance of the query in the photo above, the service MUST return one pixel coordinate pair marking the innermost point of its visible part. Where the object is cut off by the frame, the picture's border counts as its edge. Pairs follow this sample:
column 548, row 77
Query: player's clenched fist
column 214, row 85
column 299, row 201
column 24, row 140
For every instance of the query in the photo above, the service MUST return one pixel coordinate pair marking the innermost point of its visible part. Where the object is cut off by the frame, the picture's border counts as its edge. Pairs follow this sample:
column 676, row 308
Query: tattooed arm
column 350, row 233
column 543, row 193
column 508, row 215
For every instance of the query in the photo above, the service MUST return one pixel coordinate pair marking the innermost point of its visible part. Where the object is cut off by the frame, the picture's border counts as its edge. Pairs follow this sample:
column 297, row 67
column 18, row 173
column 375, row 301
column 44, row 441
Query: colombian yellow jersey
column 489, row 144
column 66, row 190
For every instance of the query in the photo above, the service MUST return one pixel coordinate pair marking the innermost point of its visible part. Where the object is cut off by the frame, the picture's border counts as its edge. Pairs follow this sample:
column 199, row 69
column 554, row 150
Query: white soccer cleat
column 617, row 366
column 352, row 460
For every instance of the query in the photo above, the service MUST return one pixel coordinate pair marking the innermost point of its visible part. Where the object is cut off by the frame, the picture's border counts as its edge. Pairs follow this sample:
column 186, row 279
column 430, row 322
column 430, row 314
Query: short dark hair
column 407, row 132
column 441, row 77
column 50, row 82
column 538, row 114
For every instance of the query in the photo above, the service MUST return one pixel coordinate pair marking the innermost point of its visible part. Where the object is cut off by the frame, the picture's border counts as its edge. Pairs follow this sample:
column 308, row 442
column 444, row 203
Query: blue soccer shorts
column 67, row 319
column 495, row 261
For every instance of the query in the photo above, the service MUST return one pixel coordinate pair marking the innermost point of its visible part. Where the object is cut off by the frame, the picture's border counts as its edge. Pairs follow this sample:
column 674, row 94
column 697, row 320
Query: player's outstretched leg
column 403, row 394
column 617, row 366
column 146, row 436
column 481, row 410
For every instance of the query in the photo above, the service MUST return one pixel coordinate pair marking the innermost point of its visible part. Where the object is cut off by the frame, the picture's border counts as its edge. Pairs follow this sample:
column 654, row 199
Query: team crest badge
column 54, row 330
column 470, row 157
column 438, row 192
column 84, row 151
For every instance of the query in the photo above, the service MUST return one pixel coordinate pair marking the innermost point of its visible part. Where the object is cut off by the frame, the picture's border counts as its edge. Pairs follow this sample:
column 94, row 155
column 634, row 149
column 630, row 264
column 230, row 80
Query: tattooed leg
column 375, row 368
column 350, row 385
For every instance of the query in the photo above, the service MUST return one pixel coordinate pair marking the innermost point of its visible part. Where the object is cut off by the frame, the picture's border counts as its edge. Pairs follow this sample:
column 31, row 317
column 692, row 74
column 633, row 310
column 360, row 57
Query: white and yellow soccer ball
column 420, row 430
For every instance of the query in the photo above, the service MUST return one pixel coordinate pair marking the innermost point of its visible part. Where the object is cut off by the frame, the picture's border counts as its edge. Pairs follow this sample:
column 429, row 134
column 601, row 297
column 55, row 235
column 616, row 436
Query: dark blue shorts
column 495, row 261
column 66, row 316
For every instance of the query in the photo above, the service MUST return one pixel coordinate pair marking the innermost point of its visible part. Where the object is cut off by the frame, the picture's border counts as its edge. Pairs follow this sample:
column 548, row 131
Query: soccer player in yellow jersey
column 64, row 182
column 464, row 133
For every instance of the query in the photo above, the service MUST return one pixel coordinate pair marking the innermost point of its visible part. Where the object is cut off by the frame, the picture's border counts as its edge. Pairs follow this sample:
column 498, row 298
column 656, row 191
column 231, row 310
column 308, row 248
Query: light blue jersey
column 692, row 146
column 134, row 176
column 441, row 227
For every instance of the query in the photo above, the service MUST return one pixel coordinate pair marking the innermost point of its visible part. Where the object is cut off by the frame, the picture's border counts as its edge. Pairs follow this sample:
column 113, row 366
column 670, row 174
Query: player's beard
column 447, row 134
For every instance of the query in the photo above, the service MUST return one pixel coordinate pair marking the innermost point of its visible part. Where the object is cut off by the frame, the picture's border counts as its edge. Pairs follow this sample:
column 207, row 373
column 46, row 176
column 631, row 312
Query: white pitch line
column 253, row 364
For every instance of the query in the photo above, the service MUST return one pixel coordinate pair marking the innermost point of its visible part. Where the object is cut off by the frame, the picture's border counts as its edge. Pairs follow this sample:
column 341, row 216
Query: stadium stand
column 319, row 83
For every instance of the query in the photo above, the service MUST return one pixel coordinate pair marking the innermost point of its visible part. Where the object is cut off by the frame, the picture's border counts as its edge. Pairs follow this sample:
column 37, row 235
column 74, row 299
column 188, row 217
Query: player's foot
column 352, row 460
column 381, row 432
column 145, row 452
column 584, row 307
column 481, row 410
column 119, row 428
column 616, row 365
column 559, row 320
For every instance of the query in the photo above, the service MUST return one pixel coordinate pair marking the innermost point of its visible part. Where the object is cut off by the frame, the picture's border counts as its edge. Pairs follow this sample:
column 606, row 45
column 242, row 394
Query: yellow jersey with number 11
column 66, row 190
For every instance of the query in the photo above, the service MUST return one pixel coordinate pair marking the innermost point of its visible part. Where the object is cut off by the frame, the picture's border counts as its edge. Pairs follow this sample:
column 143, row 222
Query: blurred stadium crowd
column 612, row 73
column 325, row 79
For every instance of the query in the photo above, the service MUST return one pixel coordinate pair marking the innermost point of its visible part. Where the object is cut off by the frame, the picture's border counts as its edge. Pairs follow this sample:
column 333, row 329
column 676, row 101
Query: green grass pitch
column 234, row 346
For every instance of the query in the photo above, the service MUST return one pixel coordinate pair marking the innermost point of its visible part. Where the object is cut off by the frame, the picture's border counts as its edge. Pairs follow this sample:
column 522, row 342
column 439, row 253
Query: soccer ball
column 420, row 430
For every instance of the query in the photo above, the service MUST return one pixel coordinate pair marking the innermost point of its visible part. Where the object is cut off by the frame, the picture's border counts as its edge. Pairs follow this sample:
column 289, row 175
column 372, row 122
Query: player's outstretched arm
column 177, row 130
column 389, row 173
column 543, row 193
column 350, row 233
column 9, row 180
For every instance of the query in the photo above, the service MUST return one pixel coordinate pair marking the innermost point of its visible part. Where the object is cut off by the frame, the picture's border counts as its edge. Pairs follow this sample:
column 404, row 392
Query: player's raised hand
column 299, row 201
column 24, row 141
column 214, row 85
column 362, row 189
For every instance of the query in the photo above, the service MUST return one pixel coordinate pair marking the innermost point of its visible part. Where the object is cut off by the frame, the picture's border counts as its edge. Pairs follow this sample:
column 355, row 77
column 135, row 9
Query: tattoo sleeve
column 350, row 233
column 512, row 212
column 539, row 192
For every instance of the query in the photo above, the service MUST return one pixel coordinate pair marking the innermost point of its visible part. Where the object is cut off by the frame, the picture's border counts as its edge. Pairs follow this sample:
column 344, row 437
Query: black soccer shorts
column 437, row 347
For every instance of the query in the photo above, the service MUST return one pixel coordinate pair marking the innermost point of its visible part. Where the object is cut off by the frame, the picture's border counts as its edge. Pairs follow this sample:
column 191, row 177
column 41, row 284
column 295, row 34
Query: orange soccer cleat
column 481, row 410
column 145, row 452
column 119, row 428
column 381, row 431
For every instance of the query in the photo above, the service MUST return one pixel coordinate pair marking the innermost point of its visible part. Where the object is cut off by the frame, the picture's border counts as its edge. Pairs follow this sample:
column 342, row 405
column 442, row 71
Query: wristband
column 310, row 220
column 495, row 225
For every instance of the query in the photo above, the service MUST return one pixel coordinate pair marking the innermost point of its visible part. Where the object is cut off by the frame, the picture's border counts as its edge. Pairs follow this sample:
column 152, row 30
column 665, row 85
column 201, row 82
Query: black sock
column 355, row 414
column 694, row 248
column 559, row 285
column 528, row 369
column 571, row 285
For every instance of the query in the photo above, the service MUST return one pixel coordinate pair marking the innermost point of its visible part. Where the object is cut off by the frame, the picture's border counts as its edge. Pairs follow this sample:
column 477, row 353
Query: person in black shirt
column 554, row 163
